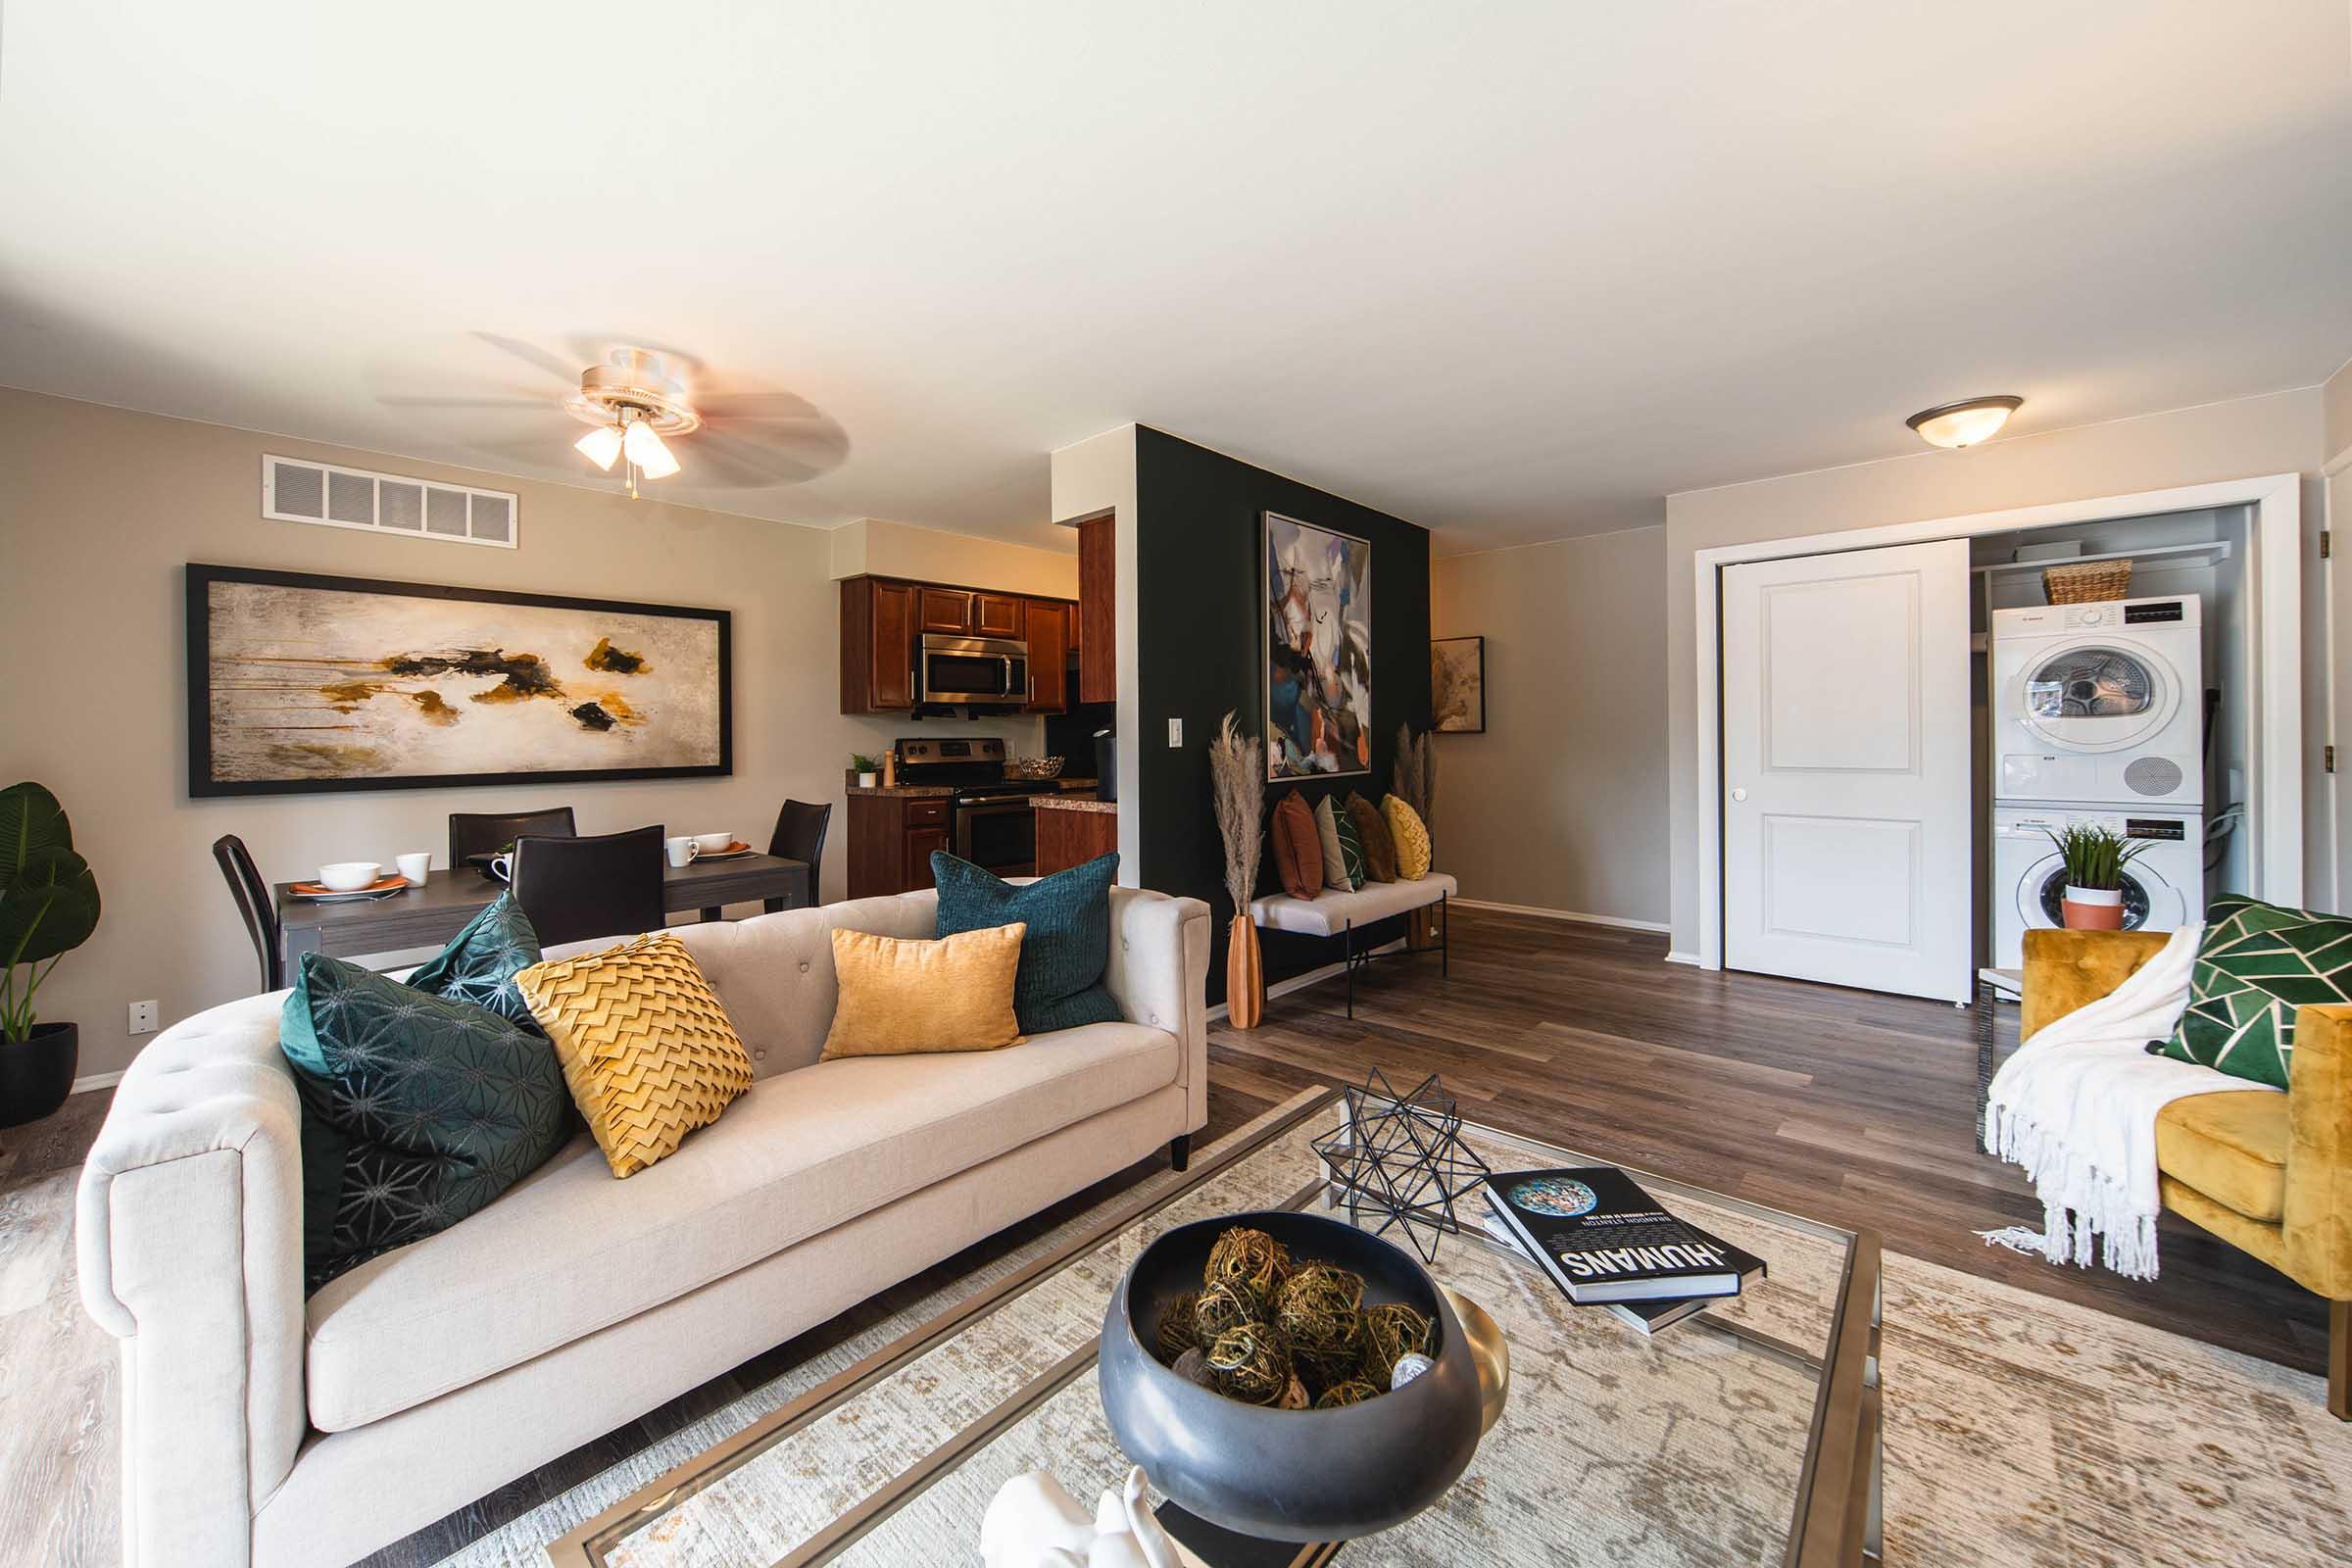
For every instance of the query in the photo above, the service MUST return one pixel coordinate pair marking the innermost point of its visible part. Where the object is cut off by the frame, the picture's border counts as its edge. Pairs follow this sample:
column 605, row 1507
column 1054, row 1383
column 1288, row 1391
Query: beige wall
column 2336, row 412
column 1560, row 804
column 103, row 508
column 932, row 554
column 2275, row 433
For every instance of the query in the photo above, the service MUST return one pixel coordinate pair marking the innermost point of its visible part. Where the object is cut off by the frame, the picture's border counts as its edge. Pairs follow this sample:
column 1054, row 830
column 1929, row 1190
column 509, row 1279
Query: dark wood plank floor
column 1850, row 1106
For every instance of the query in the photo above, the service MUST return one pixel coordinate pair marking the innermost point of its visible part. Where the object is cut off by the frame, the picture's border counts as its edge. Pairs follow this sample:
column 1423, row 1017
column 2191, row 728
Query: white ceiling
column 1511, row 270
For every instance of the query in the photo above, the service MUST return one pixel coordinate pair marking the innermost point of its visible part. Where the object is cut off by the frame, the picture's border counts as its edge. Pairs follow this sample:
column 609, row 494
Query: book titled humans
column 1603, row 1239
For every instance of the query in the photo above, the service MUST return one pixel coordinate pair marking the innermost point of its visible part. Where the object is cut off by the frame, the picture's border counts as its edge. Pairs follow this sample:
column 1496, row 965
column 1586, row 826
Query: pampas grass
column 1237, row 775
column 1414, row 779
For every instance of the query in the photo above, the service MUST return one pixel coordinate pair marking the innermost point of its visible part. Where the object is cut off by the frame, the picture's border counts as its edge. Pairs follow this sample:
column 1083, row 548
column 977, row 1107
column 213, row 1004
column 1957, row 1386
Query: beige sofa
column 259, row 1428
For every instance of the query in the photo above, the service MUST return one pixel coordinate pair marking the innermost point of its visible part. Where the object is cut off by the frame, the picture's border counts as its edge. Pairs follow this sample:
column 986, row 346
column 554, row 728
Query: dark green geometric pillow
column 2257, row 964
column 1351, row 849
column 481, row 962
column 1066, row 948
column 417, row 1111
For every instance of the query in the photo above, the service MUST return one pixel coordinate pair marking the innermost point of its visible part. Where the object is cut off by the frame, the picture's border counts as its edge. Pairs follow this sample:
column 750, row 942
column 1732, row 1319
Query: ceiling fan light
column 600, row 445
column 647, row 449
column 1964, row 423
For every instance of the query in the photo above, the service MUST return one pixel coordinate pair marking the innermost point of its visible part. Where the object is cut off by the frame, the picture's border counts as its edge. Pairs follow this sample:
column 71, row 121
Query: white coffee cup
column 713, row 843
column 415, row 866
column 682, row 851
column 502, row 866
column 348, row 876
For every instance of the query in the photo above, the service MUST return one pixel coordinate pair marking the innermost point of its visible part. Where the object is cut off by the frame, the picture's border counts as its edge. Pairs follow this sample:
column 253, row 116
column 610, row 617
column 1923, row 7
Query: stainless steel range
column 990, row 822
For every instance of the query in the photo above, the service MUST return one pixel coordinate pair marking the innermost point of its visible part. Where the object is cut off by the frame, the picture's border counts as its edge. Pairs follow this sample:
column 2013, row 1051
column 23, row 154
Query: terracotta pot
column 1245, row 976
column 2093, row 908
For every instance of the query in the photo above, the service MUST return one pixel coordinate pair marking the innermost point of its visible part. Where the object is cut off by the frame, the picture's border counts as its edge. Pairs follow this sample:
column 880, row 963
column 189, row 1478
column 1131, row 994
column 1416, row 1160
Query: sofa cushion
column 2232, row 1146
column 1333, row 912
column 569, row 1251
column 901, row 994
column 480, row 962
column 1067, row 947
column 2256, row 964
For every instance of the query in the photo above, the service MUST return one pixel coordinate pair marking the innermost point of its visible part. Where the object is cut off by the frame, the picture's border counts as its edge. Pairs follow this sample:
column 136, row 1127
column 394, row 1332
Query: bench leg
column 2340, row 1360
column 1348, row 963
column 1180, row 1152
column 1445, row 939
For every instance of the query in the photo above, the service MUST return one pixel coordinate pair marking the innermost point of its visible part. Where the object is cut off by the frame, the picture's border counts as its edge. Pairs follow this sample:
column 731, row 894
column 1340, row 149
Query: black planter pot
column 1288, row 1475
column 36, row 1073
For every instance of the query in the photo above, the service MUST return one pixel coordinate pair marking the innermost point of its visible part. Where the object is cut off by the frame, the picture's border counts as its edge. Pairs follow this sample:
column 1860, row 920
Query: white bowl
column 348, row 876
column 713, row 843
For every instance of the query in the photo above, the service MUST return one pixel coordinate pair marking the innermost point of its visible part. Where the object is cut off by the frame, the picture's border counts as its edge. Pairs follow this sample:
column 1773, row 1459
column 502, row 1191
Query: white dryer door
column 1845, row 762
column 2095, row 694
column 2150, row 898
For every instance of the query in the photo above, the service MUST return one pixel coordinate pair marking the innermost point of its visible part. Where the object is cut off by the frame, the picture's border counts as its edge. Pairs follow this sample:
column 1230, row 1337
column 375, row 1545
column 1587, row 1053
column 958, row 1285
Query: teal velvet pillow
column 417, row 1110
column 1068, row 947
column 480, row 962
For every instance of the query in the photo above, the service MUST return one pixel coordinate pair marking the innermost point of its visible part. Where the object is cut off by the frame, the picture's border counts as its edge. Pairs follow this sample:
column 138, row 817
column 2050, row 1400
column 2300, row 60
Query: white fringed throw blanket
column 2077, row 1108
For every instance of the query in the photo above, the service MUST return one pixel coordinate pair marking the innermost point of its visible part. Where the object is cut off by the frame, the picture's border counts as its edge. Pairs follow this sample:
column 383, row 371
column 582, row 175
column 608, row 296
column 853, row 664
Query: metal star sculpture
column 1402, row 1155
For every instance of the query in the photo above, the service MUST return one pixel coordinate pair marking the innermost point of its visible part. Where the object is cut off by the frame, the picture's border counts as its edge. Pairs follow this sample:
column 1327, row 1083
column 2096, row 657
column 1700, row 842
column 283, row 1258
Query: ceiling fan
column 729, row 432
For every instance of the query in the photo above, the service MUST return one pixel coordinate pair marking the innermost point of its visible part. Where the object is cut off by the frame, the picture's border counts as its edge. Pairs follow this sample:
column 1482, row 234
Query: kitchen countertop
column 939, row 791
column 1064, row 803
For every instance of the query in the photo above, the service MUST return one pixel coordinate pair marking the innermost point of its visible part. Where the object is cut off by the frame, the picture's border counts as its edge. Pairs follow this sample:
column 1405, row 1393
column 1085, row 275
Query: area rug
column 2020, row 1431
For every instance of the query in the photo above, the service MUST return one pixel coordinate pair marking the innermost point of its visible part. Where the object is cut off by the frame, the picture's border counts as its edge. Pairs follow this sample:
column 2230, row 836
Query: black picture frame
column 1480, row 728
column 202, row 785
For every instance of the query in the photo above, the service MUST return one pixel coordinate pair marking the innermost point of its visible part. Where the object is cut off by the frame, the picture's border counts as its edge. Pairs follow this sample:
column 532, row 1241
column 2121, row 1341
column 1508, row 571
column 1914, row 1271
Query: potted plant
column 2095, row 857
column 1237, row 776
column 865, row 768
column 48, row 907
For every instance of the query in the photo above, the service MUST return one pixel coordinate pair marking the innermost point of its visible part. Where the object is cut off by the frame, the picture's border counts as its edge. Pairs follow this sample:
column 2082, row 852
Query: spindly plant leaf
column 30, row 818
column 49, row 907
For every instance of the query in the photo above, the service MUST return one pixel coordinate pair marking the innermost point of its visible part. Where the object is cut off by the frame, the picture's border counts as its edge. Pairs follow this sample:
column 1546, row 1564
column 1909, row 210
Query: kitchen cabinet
column 878, row 645
column 1096, row 637
column 890, row 840
column 948, row 610
column 1068, row 837
column 1046, row 626
column 997, row 614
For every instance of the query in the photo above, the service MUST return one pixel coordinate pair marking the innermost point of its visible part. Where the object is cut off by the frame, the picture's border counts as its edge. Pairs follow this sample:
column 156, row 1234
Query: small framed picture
column 1457, row 685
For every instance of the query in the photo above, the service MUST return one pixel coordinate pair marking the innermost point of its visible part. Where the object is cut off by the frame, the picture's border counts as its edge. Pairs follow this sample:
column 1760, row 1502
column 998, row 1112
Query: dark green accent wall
column 1201, row 629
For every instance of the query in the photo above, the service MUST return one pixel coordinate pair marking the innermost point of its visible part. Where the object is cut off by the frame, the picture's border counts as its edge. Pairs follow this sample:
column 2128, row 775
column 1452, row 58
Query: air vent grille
column 2152, row 775
column 336, row 496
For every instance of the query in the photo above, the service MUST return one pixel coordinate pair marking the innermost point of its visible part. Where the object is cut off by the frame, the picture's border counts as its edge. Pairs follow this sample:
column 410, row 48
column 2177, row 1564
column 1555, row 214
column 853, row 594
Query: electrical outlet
column 1175, row 732
column 142, row 1017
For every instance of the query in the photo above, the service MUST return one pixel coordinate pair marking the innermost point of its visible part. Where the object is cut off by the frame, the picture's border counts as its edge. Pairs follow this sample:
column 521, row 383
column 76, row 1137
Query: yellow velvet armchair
column 2269, row 1173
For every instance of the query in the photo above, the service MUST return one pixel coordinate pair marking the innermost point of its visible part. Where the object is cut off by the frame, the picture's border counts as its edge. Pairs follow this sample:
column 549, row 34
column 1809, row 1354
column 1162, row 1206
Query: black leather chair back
column 606, row 885
column 255, row 904
column 484, row 833
column 801, row 836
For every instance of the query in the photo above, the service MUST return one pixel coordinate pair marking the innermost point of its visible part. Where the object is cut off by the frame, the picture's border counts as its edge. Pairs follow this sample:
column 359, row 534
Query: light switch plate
column 1175, row 732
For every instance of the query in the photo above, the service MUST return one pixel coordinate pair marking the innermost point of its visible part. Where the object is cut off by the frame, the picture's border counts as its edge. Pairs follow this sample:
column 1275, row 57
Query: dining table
column 420, row 917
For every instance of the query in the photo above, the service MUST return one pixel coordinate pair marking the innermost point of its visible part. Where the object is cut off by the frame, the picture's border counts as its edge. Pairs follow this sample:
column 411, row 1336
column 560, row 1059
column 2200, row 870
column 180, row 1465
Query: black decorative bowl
column 1288, row 1475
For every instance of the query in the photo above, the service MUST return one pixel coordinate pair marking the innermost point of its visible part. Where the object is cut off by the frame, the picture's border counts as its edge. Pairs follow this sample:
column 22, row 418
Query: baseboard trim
column 97, row 1080
column 1578, row 915
column 1300, row 982
column 1691, row 959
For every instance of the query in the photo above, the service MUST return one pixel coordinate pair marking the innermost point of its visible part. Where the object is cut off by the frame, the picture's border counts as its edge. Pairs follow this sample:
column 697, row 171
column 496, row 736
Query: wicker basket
column 2087, row 582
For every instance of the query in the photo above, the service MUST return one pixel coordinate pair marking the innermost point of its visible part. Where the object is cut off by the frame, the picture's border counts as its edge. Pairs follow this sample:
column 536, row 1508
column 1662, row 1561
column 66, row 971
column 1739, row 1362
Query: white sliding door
column 1845, row 768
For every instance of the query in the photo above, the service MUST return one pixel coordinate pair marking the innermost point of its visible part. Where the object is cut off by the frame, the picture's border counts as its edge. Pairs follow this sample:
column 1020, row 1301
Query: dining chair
column 801, row 836
column 487, row 833
column 606, row 885
column 255, row 904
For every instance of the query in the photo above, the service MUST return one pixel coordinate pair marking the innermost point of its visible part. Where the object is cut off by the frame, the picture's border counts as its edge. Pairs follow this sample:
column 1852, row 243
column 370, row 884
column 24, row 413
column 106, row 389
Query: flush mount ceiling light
column 634, row 400
column 1964, row 423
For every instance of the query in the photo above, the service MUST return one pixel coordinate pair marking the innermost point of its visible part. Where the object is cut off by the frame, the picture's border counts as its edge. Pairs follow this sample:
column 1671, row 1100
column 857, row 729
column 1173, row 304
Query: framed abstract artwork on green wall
column 1318, row 587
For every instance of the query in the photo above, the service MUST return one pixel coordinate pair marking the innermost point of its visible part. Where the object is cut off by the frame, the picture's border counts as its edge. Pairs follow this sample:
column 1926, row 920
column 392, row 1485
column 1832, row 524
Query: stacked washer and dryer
column 2098, row 715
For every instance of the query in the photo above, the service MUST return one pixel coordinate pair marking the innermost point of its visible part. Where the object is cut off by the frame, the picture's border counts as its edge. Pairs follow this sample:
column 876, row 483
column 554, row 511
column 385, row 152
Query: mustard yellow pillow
column 1412, row 839
column 900, row 995
column 648, row 1052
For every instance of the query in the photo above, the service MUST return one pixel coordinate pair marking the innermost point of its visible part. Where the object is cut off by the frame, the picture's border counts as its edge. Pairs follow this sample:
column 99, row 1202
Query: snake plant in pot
column 2095, row 857
column 48, row 907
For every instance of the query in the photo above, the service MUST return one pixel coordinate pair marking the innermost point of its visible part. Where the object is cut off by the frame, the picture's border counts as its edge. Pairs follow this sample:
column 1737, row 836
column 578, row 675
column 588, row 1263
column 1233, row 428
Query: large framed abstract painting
column 301, row 683
column 1318, row 650
column 1457, row 685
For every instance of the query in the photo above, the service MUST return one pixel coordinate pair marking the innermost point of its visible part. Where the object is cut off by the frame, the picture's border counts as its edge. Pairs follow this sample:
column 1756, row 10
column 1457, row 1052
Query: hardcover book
column 1603, row 1240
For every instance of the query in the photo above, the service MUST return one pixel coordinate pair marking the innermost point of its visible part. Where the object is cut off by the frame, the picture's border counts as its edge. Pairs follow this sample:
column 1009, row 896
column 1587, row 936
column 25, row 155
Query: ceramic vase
column 1245, row 976
column 2093, row 908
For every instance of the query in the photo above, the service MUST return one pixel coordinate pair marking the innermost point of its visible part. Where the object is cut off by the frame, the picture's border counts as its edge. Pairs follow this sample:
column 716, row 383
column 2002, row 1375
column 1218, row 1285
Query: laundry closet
column 1895, row 722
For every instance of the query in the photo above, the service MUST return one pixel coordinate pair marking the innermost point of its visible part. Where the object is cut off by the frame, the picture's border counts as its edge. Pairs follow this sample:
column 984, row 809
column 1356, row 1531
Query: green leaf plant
column 2095, row 856
column 48, row 900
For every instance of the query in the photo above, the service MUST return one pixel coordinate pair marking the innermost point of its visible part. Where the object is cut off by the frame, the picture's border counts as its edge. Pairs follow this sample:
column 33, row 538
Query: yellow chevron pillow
column 648, row 1052
column 1412, row 839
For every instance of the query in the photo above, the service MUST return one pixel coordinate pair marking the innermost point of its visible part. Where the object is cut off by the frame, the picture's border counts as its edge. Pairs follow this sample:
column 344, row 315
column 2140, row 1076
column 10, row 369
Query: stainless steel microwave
column 979, row 671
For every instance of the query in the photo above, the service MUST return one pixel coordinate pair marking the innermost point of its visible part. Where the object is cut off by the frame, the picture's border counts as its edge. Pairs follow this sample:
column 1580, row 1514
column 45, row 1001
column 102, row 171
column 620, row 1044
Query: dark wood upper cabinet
column 878, row 645
column 1046, row 626
column 946, row 609
column 1098, row 607
column 996, row 615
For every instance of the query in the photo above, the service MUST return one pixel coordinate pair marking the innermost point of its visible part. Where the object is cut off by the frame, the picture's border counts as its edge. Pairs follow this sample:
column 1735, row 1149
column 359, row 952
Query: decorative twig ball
column 1318, row 1310
column 1349, row 1391
column 1177, row 1332
column 1389, row 1331
column 1248, row 1259
column 1251, row 1363
column 1223, row 1305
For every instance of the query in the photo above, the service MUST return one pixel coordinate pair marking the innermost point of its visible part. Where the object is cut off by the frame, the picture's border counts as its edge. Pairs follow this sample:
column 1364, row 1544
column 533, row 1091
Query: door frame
column 2274, row 619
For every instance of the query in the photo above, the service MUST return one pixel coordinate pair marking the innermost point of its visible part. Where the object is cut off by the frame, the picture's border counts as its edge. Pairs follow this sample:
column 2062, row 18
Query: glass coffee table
column 1747, row 1434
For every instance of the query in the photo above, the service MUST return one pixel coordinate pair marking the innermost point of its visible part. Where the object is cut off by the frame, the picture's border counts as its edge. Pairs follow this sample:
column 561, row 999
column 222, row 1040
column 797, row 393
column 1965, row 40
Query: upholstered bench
column 1338, row 914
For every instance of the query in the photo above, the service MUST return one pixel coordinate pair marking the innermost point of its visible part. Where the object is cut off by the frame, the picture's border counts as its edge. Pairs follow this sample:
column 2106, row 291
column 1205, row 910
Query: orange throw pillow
column 1298, row 847
column 1380, row 845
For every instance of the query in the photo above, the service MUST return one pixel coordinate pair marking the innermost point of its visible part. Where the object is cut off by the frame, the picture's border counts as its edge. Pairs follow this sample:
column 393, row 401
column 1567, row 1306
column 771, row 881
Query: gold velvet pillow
column 900, row 995
column 648, row 1052
column 1410, row 835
